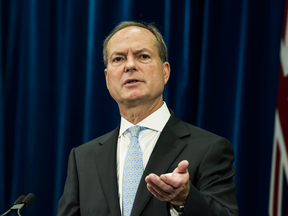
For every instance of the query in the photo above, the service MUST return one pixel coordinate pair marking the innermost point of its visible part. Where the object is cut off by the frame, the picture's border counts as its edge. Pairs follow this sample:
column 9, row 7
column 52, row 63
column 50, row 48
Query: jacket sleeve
column 69, row 202
column 213, row 194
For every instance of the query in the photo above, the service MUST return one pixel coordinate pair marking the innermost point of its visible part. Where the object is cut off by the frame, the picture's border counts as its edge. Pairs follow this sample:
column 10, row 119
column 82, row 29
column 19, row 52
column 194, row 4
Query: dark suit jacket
column 91, row 186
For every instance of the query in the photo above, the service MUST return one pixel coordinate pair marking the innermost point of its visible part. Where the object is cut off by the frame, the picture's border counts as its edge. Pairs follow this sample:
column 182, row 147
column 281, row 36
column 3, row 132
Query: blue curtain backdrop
column 224, row 57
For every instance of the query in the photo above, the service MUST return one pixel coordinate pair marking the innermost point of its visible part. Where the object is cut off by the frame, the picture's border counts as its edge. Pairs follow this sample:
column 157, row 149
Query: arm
column 69, row 202
column 213, row 193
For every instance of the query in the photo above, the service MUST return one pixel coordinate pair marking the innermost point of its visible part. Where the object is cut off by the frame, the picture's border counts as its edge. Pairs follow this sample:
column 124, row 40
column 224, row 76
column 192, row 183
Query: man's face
column 134, row 73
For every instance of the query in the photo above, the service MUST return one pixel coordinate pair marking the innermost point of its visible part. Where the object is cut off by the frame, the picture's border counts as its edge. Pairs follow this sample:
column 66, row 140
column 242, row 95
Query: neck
column 137, row 113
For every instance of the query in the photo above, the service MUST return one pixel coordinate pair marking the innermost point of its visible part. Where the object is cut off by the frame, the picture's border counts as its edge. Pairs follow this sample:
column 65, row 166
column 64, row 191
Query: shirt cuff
column 173, row 211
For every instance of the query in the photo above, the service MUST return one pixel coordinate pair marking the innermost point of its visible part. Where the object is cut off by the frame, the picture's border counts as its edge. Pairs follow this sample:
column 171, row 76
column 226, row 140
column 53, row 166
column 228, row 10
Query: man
column 179, row 169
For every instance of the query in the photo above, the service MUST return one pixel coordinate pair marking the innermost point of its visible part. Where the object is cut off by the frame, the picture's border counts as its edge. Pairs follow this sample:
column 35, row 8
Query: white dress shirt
column 147, row 140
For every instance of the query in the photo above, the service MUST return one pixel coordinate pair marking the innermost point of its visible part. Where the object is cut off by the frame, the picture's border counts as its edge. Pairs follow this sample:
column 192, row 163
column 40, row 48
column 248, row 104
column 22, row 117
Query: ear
column 106, row 76
column 166, row 71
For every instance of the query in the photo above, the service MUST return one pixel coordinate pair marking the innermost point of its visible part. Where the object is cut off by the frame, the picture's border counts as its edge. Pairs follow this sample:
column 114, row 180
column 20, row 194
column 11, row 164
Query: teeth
column 133, row 81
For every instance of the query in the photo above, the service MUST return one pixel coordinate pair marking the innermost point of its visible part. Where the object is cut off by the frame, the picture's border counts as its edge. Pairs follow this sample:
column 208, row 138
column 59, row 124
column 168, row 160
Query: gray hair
column 162, row 49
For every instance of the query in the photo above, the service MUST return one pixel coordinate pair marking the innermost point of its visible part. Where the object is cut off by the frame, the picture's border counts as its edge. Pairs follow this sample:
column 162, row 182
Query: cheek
column 159, row 76
column 113, row 76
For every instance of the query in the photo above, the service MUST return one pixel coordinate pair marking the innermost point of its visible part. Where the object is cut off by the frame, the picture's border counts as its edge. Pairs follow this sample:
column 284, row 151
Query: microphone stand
column 15, row 209
column 20, row 203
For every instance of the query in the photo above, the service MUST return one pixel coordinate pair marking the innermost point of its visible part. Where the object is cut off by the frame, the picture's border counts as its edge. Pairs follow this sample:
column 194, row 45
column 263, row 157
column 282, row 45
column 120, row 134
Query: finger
column 174, row 182
column 182, row 166
column 177, row 179
column 160, row 186
column 150, row 178
column 161, row 194
column 157, row 190
column 154, row 192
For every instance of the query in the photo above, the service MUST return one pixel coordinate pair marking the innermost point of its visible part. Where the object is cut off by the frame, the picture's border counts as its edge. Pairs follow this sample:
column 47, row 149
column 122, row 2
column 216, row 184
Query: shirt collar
column 155, row 121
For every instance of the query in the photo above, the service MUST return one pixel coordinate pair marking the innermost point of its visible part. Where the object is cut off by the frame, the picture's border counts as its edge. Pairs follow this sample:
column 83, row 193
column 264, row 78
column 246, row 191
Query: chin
column 134, row 100
column 135, row 96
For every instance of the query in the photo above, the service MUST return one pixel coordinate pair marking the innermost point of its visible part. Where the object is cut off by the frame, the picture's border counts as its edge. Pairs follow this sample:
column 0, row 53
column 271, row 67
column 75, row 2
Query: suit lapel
column 106, row 166
column 166, row 150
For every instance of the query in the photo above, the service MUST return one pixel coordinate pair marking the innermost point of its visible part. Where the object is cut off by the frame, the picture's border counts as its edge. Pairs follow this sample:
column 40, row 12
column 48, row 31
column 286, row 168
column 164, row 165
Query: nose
column 130, row 64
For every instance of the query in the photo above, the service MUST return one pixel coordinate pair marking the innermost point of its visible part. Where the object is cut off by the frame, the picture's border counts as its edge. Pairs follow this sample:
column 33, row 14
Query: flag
column 278, row 200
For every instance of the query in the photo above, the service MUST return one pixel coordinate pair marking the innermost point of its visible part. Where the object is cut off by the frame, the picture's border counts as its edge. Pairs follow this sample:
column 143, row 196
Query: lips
column 131, row 81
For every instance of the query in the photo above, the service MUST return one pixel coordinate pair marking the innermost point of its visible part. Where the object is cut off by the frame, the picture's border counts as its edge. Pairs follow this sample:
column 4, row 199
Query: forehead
column 132, row 37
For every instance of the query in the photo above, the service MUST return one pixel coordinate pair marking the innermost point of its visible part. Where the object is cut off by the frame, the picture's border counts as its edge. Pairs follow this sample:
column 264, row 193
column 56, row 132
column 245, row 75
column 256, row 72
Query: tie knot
column 135, row 130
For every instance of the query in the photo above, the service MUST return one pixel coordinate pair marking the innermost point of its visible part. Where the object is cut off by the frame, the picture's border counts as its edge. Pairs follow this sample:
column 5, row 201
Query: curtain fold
column 240, row 73
column 2, row 149
column 224, row 59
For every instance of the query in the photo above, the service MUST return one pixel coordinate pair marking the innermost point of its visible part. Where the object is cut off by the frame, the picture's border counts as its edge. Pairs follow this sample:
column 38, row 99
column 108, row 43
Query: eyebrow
column 136, row 52
column 143, row 50
column 117, row 53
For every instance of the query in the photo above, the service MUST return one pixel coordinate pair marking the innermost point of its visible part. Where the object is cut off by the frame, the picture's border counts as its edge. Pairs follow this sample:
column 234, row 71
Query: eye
column 117, row 59
column 144, row 56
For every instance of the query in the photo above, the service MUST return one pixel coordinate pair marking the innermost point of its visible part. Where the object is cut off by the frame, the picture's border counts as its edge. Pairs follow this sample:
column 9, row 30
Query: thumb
column 182, row 166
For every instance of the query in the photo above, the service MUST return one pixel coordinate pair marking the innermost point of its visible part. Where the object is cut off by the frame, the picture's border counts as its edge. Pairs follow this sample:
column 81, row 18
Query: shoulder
column 199, row 133
column 192, row 134
column 94, row 144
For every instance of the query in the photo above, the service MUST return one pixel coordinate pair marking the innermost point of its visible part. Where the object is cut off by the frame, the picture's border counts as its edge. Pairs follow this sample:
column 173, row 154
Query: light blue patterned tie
column 133, row 170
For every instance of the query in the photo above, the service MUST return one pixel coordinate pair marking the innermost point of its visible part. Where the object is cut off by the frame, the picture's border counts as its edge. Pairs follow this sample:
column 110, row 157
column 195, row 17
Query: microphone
column 28, row 199
column 19, row 200
column 16, row 203
column 20, row 203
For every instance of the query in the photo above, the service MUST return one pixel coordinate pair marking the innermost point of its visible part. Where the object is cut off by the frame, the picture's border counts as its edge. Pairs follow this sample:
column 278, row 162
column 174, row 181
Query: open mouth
column 131, row 81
